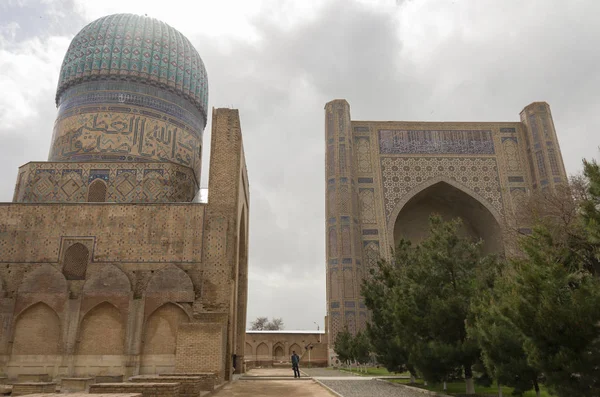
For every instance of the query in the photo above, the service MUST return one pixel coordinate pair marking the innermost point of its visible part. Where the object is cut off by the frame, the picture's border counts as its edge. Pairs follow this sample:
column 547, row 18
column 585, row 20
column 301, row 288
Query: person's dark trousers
column 296, row 371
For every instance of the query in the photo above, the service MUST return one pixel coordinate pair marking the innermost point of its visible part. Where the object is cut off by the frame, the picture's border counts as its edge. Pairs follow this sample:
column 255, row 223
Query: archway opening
column 97, row 191
column 450, row 202
column 37, row 331
column 279, row 353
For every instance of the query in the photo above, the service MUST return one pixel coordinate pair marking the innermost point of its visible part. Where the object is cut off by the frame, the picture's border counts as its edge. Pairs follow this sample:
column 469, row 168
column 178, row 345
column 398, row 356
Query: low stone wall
column 189, row 386
column 146, row 389
column 86, row 395
column 20, row 389
column 207, row 382
column 109, row 378
column 72, row 385
column 23, row 378
column 3, row 380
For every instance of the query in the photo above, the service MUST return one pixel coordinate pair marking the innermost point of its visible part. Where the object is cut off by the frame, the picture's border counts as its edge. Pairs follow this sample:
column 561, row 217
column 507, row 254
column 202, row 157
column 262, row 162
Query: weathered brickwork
column 384, row 179
column 145, row 389
column 73, row 385
column 189, row 386
column 21, row 389
column 109, row 266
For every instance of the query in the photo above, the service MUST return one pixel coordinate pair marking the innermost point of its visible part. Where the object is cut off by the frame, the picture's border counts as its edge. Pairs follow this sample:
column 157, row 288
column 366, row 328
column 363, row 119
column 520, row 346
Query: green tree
column 343, row 345
column 428, row 291
column 361, row 348
column 501, row 343
column 389, row 349
column 554, row 302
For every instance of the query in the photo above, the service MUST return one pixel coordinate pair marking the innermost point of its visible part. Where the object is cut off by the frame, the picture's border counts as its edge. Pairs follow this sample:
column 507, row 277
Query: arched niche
column 170, row 284
column 278, row 352
column 37, row 331
column 262, row 351
column 295, row 348
column 160, row 330
column 410, row 219
column 106, row 283
column 46, row 284
column 101, row 331
column 97, row 191
column 75, row 262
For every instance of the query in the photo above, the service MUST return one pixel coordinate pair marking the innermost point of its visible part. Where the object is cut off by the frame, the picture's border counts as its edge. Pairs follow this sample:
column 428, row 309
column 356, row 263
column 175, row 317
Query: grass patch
column 455, row 388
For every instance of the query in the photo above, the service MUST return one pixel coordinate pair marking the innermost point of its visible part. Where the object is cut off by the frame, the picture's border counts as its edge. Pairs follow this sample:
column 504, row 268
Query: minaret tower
column 546, row 167
column 342, row 230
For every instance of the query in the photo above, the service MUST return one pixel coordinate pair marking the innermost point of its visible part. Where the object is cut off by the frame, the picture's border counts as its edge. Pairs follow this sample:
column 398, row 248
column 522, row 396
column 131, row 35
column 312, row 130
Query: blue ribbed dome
column 136, row 48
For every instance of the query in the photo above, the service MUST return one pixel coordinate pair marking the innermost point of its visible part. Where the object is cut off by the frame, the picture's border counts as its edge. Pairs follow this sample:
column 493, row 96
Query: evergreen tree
column 389, row 349
column 361, row 348
column 554, row 302
column 343, row 346
column 427, row 298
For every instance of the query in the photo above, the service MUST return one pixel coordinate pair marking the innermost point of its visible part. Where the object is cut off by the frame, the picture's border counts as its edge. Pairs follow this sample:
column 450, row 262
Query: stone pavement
column 273, row 388
column 316, row 382
column 366, row 387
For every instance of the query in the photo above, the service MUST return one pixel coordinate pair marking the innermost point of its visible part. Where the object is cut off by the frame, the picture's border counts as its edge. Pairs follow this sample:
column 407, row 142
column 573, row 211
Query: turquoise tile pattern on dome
column 137, row 48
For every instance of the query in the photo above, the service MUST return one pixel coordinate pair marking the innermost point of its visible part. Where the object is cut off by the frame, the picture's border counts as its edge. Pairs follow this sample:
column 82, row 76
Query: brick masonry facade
column 383, row 179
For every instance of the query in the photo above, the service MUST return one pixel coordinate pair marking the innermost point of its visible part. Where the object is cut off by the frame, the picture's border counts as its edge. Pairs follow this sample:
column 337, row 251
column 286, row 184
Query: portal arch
column 450, row 199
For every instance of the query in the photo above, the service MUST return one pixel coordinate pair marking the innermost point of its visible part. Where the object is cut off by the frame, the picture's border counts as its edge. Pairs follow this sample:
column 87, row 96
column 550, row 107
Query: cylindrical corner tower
column 544, row 158
column 341, row 206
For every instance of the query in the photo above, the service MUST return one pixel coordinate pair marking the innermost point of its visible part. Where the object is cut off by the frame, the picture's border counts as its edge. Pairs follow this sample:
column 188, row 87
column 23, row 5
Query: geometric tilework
column 138, row 48
column 402, row 174
column 120, row 182
column 511, row 153
column 363, row 152
column 366, row 198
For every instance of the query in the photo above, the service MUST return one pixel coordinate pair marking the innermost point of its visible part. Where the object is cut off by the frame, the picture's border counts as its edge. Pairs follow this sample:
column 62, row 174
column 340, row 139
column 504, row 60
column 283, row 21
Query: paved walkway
column 275, row 382
column 368, row 387
column 273, row 388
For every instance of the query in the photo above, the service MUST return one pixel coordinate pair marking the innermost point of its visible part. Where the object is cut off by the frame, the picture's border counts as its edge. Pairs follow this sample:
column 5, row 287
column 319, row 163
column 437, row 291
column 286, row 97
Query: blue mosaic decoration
column 136, row 48
column 99, row 174
column 370, row 232
column 365, row 180
column 516, row 179
column 507, row 130
column 436, row 142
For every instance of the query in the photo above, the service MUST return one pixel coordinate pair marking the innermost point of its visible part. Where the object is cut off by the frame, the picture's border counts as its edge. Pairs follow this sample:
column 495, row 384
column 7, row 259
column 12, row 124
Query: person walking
column 295, row 364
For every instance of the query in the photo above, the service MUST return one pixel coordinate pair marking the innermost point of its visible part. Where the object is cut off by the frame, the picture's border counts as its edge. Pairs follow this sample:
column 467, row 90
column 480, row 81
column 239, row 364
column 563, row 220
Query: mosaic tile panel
column 125, row 133
column 125, row 182
column 363, row 155
column 436, row 142
column 138, row 48
column 402, row 174
column 511, row 154
column 366, row 198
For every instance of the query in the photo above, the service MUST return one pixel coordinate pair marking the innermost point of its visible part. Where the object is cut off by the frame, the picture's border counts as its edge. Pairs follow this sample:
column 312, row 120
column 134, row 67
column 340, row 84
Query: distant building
column 274, row 348
column 110, row 263
column 385, row 178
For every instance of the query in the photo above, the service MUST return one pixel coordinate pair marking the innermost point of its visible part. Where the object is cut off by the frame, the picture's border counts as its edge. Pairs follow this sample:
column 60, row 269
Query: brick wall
column 189, row 386
column 146, row 389
column 201, row 348
column 20, row 389
column 75, row 384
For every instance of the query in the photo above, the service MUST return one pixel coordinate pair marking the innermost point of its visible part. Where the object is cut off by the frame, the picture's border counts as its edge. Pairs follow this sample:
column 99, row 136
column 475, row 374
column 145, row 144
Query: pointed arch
column 97, row 192
column 44, row 284
column 262, row 351
column 37, row 331
column 75, row 262
column 101, row 331
column 170, row 284
column 295, row 348
column 160, row 331
column 278, row 352
column 449, row 198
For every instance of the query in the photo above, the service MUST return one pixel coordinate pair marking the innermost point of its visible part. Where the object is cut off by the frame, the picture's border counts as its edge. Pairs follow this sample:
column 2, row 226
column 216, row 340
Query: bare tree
column 263, row 324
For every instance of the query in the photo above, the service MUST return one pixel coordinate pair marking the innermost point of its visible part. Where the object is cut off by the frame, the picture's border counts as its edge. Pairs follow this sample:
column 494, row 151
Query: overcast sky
column 279, row 62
